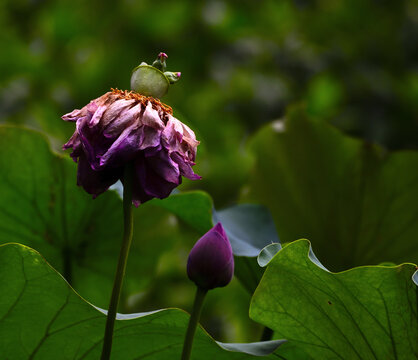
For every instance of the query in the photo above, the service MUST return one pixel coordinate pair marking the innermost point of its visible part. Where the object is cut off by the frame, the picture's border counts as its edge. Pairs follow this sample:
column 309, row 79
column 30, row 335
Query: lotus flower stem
column 123, row 257
column 194, row 319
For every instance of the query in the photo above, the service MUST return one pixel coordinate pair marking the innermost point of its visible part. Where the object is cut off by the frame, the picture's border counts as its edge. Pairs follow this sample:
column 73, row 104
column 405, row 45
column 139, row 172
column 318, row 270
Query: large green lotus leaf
column 42, row 317
column 367, row 312
column 42, row 207
column 354, row 201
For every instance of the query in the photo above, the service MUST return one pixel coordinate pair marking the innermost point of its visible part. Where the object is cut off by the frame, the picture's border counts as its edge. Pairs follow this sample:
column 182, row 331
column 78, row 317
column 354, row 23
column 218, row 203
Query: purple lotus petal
column 151, row 181
column 151, row 118
column 179, row 137
column 127, row 117
column 97, row 115
column 150, row 138
column 93, row 144
column 124, row 148
column 211, row 262
column 95, row 182
column 189, row 137
column 92, row 108
column 138, row 194
column 73, row 142
column 73, row 115
column 185, row 166
column 173, row 133
column 164, row 167
column 115, row 110
column 121, row 127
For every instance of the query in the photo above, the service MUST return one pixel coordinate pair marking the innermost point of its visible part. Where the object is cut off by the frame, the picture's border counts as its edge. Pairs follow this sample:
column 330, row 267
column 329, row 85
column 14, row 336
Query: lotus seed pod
column 153, row 80
column 149, row 81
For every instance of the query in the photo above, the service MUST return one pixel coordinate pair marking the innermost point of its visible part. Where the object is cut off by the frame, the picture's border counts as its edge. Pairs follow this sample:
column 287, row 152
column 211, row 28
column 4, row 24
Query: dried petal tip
column 211, row 262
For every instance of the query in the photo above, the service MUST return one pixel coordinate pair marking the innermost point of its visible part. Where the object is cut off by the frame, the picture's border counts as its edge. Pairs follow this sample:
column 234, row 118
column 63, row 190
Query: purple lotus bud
column 211, row 262
column 123, row 127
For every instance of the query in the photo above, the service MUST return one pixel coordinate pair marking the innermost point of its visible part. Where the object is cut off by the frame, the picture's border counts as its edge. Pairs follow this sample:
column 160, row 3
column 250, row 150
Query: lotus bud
column 211, row 262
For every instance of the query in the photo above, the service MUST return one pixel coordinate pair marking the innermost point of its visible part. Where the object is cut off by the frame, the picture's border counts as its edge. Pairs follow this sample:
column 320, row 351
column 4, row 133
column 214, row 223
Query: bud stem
column 194, row 319
column 123, row 257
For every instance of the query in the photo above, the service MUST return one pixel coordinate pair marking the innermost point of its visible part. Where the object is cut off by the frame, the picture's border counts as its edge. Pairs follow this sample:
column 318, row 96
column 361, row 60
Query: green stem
column 194, row 319
column 123, row 257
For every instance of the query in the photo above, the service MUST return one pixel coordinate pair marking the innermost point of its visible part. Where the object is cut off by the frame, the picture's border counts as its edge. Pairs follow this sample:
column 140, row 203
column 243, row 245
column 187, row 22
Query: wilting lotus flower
column 121, row 127
column 211, row 262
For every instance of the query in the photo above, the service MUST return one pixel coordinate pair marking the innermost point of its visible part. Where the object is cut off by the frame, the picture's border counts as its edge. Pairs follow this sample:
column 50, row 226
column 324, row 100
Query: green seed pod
column 149, row 81
column 153, row 80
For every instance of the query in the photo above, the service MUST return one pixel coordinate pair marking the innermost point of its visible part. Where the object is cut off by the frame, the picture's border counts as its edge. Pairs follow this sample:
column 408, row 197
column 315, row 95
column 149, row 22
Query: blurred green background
column 353, row 63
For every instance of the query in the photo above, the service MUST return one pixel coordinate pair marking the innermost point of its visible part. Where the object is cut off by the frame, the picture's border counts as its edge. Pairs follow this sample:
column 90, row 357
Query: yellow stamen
column 132, row 95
